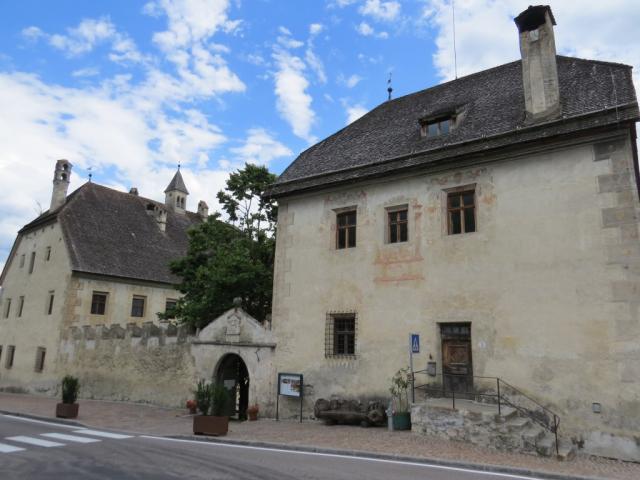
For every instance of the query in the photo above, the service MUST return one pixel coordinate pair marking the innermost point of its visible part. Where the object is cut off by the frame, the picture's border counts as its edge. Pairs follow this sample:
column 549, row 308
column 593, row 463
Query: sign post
column 289, row 385
column 414, row 347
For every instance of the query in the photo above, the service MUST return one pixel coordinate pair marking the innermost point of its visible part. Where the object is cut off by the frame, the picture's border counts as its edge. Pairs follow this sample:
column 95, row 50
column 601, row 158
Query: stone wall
column 149, row 363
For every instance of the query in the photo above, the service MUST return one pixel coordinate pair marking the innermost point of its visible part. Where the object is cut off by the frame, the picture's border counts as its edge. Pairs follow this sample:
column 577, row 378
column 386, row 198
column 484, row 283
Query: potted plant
column 212, row 401
column 192, row 406
column 400, row 390
column 68, row 408
column 252, row 412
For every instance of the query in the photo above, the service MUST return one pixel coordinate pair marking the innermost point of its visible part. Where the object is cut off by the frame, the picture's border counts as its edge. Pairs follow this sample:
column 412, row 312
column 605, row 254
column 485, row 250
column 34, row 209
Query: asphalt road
column 41, row 450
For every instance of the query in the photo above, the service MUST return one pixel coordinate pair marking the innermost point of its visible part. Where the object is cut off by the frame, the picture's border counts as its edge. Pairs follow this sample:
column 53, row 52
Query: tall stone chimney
column 203, row 209
column 539, row 67
column 61, row 179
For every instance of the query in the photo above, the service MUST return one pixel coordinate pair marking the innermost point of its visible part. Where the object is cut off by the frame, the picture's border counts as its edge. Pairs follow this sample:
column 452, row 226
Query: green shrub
column 203, row 396
column 70, row 388
column 220, row 399
column 400, row 390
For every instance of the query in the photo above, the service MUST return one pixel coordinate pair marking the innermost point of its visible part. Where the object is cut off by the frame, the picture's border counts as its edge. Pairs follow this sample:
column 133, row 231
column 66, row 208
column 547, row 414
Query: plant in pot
column 212, row 401
column 192, row 406
column 68, row 408
column 252, row 412
column 400, row 391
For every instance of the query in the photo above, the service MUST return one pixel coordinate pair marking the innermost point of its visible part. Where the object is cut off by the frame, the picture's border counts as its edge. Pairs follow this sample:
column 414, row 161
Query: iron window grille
column 461, row 212
column 98, row 303
column 137, row 306
column 340, row 334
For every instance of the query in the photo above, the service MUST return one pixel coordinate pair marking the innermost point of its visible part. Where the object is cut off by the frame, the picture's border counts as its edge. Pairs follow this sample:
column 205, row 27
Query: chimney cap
column 133, row 191
column 533, row 17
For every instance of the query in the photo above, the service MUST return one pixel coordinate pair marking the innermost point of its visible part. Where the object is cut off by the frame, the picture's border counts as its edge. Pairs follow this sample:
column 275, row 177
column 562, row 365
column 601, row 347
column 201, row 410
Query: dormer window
column 436, row 127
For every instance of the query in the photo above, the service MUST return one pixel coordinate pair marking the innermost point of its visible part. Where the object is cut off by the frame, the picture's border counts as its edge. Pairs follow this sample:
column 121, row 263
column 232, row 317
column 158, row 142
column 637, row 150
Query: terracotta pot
column 210, row 425
column 67, row 410
column 252, row 413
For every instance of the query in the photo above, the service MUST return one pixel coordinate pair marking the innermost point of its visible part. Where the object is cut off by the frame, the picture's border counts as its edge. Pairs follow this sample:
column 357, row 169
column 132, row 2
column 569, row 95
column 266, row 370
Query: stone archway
column 232, row 372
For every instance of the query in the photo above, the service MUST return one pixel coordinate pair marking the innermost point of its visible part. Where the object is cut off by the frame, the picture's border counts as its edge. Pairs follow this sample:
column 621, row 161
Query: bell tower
column 176, row 193
column 61, row 180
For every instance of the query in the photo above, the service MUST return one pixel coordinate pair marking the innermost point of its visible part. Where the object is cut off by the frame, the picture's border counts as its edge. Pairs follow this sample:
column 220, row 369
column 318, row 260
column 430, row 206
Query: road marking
column 97, row 433
column 52, row 424
column 35, row 441
column 348, row 457
column 4, row 448
column 70, row 438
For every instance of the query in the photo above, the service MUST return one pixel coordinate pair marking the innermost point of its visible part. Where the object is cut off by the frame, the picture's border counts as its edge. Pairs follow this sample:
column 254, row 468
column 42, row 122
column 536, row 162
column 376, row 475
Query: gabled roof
column 111, row 233
column 177, row 183
column 491, row 107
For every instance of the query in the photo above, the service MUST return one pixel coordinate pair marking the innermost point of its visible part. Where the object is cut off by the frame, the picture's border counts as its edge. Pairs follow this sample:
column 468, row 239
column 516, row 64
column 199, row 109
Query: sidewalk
column 151, row 420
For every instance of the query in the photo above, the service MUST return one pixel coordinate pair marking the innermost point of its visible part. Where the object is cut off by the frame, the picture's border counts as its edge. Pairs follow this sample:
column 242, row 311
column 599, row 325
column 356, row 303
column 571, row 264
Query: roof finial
column 178, row 166
column 389, row 87
column 90, row 173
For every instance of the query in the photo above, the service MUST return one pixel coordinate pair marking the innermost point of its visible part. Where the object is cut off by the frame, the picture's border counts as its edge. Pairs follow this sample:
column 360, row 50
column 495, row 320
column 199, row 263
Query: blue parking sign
column 415, row 343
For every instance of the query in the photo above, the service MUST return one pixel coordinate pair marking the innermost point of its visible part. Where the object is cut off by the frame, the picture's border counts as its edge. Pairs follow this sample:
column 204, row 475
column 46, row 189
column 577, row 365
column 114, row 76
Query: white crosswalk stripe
column 70, row 438
column 34, row 441
column 98, row 433
column 4, row 448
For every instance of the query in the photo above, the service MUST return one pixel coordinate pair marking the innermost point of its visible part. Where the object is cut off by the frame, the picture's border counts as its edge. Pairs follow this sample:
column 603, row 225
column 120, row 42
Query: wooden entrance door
column 457, row 367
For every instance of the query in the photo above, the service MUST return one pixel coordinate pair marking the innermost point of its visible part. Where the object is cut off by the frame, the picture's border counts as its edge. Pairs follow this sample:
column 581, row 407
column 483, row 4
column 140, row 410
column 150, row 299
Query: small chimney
column 133, row 191
column 539, row 67
column 161, row 218
column 61, row 179
column 203, row 209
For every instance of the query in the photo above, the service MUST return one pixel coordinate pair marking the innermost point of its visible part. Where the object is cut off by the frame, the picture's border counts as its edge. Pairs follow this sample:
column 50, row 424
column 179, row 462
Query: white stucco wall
column 549, row 282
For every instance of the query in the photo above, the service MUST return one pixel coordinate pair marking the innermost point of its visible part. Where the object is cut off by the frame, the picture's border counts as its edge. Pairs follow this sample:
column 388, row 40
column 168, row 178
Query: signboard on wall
column 290, row 384
column 415, row 343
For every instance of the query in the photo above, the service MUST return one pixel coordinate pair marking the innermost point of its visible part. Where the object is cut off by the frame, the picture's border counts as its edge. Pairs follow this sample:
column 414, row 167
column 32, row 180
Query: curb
column 483, row 467
column 71, row 423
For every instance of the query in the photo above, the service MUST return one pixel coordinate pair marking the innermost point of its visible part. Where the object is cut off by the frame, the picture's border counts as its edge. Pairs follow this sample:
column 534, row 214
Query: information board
column 290, row 384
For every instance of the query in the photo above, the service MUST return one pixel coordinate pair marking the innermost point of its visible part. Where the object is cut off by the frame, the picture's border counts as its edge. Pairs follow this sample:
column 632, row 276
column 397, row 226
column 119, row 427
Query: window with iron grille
column 98, row 303
column 461, row 212
column 397, row 225
column 40, row 354
column 137, row 306
column 11, row 351
column 340, row 334
column 346, row 229
column 169, row 306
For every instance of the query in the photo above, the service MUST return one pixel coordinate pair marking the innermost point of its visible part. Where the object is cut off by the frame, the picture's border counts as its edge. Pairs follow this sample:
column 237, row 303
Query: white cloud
column 260, row 148
column 350, row 81
column 293, row 100
column 344, row 3
column 86, row 72
column 366, row 30
column 315, row 28
column 387, row 11
column 355, row 112
column 32, row 33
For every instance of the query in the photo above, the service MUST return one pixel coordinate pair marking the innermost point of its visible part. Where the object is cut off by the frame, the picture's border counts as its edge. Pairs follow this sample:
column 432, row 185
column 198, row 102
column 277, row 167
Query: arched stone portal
column 233, row 374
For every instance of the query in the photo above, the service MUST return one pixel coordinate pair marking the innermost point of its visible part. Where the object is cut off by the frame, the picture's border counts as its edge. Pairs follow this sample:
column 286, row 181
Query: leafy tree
column 224, row 260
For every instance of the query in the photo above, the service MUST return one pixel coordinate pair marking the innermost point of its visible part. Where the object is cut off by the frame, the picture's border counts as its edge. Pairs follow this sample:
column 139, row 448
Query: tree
column 229, row 260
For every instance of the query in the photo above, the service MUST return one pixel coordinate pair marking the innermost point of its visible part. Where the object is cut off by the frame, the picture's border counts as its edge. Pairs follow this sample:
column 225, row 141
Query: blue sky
column 129, row 89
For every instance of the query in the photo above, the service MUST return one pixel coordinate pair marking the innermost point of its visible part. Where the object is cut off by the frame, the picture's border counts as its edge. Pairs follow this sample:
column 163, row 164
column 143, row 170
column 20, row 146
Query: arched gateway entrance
column 233, row 374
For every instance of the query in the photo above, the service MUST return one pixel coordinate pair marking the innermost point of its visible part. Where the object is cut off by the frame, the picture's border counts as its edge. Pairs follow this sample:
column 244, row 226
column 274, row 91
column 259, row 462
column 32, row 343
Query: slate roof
column 592, row 93
column 177, row 183
column 108, row 232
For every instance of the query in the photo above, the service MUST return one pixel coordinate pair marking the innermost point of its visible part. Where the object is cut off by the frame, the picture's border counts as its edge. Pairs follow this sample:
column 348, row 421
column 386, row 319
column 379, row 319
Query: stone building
column 495, row 215
column 96, row 264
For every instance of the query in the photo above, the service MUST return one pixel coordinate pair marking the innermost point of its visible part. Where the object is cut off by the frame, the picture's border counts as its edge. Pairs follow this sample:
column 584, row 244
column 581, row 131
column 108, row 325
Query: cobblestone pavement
column 153, row 420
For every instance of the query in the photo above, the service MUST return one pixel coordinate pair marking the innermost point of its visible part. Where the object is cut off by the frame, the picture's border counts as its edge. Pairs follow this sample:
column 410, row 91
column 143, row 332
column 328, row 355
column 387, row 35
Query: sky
column 127, row 90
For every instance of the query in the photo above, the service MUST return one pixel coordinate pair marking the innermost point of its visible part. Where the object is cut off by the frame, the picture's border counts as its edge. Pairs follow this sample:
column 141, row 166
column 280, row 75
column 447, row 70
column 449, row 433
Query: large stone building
column 97, row 259
column 496, row 216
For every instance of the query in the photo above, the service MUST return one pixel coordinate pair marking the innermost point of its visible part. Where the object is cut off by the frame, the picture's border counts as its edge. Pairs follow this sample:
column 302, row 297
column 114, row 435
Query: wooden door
column 457, row 367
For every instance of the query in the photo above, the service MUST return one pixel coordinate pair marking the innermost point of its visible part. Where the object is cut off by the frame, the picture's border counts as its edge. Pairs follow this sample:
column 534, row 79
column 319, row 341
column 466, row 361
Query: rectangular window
column 22, row 260
column 32, row 262
column 0, row 352
column 47, row 255
column 98, row 303
column 11, row 351
column 346, row 230
column 50, row 303
column 40, row 354
column 169, row 305
column 398, row 225
column 7, row 308
column 340, row 335
column 137, row 306
column 20, row 306
column 461, row 212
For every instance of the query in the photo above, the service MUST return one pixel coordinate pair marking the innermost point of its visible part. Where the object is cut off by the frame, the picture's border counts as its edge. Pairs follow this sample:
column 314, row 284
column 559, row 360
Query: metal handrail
column 499, row 396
